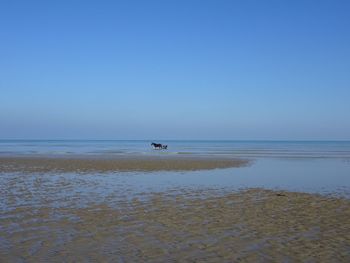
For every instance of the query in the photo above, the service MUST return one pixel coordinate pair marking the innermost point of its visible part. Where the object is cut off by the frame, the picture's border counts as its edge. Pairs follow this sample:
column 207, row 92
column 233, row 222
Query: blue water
column 312, row 175
column 314, row 167
column 250, row 149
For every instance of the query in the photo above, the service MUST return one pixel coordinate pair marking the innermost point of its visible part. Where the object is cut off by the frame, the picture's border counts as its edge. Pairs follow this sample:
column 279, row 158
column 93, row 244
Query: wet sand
column 254, row 225
column 50, row 217
column 106, row 164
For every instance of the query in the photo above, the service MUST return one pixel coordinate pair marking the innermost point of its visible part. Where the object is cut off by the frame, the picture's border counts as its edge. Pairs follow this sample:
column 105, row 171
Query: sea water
column 245, row 149
column 314, row 167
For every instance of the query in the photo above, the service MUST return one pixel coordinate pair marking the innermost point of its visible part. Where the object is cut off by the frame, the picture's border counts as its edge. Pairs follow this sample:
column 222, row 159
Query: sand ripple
column 250, row 226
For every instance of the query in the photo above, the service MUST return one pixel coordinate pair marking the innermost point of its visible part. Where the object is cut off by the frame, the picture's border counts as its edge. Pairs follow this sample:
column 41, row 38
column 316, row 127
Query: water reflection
column 71, row 189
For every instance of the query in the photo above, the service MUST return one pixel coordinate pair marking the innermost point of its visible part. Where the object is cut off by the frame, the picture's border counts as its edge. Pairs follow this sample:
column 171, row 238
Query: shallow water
column 253, row 149
column 324, row 176
column 305, row 175
column 299, row 167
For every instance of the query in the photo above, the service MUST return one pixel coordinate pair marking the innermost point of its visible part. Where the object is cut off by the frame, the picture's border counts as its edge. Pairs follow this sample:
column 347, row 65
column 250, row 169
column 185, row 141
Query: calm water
column 253, row 149
column 316, row 167
column 312, row 175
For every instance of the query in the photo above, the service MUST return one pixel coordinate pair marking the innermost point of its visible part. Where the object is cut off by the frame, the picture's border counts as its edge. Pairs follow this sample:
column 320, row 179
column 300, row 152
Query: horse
column 159, row 146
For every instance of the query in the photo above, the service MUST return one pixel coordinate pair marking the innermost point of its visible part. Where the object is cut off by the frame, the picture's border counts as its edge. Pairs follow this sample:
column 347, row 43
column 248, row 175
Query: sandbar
column 108, row 164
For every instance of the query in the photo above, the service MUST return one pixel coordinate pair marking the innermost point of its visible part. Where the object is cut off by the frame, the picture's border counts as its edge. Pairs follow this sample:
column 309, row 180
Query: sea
column 242, row 149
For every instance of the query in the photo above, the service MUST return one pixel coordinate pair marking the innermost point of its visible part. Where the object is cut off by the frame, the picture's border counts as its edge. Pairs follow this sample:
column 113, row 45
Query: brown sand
column 250, row 226
column 76, row 164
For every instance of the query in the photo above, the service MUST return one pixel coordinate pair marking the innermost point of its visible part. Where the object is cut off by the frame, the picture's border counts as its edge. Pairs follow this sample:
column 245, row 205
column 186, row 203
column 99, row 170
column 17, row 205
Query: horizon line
column 242, row 140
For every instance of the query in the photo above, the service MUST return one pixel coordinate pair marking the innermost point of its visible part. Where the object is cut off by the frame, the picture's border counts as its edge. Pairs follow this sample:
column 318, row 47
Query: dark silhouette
column 159, row 146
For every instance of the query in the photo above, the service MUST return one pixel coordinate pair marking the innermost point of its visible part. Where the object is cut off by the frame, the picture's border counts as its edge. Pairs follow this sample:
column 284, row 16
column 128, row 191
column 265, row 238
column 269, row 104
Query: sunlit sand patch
column 76, row 164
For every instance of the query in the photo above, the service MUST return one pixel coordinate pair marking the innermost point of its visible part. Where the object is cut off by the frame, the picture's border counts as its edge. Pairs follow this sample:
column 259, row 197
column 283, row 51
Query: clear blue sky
column 175, row 69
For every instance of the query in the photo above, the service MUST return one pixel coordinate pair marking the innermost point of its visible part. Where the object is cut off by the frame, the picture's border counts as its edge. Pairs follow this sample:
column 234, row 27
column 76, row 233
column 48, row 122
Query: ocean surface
column 244, row 149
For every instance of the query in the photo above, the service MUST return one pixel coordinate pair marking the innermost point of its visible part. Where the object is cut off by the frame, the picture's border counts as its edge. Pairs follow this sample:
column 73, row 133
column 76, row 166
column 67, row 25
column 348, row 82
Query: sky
column 240, row 70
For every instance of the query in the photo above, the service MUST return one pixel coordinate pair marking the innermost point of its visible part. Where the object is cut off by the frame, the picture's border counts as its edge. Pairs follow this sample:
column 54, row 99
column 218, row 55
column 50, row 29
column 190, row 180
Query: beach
column 255, row 225
column 112, row 164
column 161, row 206
column 174, row 131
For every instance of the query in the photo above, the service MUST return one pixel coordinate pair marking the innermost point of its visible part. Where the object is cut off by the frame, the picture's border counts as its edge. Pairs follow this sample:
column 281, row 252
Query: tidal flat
column 253, row 225
column 248, row 213
column 86, row 164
